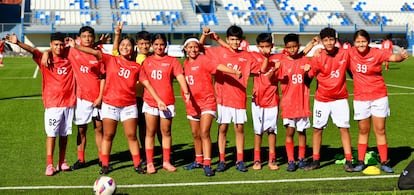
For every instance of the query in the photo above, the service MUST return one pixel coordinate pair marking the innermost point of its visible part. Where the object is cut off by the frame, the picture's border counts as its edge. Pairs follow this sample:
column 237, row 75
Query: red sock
column 272, row 156
column 316, row 156
column 362, row 149
column 150, row 155
column 223, row 157
column 81, row 156
column 239, row 157
column 348, row 156
column 302, row 151
column 49, row 160
column 136, row 158
column 105, row 160
column 290, row 151
column 207, row 162
column 383, row 152
column 199, row 158
column 257, row 156
column 166, row 154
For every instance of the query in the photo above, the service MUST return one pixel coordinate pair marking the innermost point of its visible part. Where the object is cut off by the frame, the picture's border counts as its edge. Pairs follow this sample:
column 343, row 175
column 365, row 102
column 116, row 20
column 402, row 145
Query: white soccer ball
column 104, row 186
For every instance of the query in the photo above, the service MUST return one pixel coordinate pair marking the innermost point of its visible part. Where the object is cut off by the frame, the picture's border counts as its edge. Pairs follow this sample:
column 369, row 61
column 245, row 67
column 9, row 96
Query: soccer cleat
column 150, row 168
column 50, row 170
column 241, row 167
column 291, row 166
column 78, row 165
column 193, row 165
column 302, row 163
column 221, row 166
column 168, row 167
column 348, row 166
column 257, row 165
column 208, row 171
column 360, row 166
column 139, row 169
column 313, row 165
column 273, row 165
column 386, row 167
column 143, row 162
column 104, row 170
column 63, row 167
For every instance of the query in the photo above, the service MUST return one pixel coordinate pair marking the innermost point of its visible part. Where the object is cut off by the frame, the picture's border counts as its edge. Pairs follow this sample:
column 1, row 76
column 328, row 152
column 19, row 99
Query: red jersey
column 58, row 84
column 330, row 73
column 200, row 83
column 295, row 94
column 265, row 91
column 230, row 90
column 346, row 45
column 121, row 80
column 87, row 70
column 160, row 72
column 387, row 45
column 2, row 46
column 369, row 83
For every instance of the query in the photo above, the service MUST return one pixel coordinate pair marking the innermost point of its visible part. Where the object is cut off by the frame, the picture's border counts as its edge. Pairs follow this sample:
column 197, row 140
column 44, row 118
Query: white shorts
column 227, row 115
column 170, row 113
column 58, row 121
column 119, row 113
column 1, row 55
column 197, row 118
column 338, row 110
column 264, row 119
column 84, row 112
column 378, row 108
column 301, row 124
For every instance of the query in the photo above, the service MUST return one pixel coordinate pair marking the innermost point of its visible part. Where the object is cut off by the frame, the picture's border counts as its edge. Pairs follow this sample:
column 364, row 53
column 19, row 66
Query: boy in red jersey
column 265, row 100
column 295, row 99
column 331, row 98
column 370, row 96
column 231, row 92
column 387, row 46
column 58, row 98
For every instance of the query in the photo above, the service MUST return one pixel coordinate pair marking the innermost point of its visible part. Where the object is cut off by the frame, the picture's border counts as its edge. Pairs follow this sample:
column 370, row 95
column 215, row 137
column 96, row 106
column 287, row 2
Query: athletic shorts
column 84, row 112
column 338, row 110
column 119, row 113
column 169, row 113
column 197, row 118
column 226, row 115
column 378, row 108
column 58, row 121
column 264, row 119
column 300, row 124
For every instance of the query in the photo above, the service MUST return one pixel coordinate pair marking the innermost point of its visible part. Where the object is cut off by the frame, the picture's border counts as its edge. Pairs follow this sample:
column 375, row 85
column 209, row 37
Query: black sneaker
column 241, row 167
column 78, row 165
column 313, row 165
column 139, row 169
column 221, row 166
column 348, row 166
column 104, row 170
column 208, row 171
column 360, row 166
column 193, row 165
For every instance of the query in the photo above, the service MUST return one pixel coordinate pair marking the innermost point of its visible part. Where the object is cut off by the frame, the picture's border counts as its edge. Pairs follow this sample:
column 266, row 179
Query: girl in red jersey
column 201, row 109
column 119, row 102
column 160, row 69
column 370, row 95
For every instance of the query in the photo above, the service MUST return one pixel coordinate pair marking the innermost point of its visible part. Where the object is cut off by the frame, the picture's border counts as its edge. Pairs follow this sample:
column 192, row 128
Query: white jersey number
column 84, row 69
column 190, row 79
column 62, row 70
column 156, row 74
column 335, row 74
column 361, row 68
column 297, row 78
column 124, row 73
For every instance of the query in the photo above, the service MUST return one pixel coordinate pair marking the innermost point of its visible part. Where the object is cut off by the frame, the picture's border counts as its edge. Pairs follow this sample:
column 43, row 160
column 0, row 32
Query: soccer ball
column 104, row 186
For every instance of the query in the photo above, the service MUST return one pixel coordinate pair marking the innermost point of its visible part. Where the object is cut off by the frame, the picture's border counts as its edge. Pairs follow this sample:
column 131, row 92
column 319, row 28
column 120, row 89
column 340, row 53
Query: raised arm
column 87, row 50
column 399, row 57
column 117, row 36
column 310, row 45
column 226, row 69
column 13, row 39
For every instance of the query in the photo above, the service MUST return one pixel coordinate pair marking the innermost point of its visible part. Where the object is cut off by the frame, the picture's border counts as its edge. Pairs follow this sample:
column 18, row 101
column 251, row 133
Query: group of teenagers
column 80, row 83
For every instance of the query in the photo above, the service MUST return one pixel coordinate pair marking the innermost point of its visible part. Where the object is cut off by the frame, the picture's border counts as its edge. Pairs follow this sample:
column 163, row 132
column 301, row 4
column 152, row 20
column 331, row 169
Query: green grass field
column 22, row 149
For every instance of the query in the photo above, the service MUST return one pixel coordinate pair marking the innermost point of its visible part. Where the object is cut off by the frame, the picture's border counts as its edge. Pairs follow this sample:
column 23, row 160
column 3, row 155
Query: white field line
column 35, row 72
column 391, row 85
column 207, row 183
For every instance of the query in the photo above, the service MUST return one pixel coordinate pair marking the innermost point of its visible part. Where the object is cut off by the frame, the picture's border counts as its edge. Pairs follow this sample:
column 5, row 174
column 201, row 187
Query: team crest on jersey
column 93, row 61
column 370, row 59
column 165, row 64
column 194, row 68
column 342, row 62
column 289, row 70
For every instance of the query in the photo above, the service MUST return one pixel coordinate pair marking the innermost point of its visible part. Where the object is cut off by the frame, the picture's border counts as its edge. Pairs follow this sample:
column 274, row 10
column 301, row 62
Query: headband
column 191, row 40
